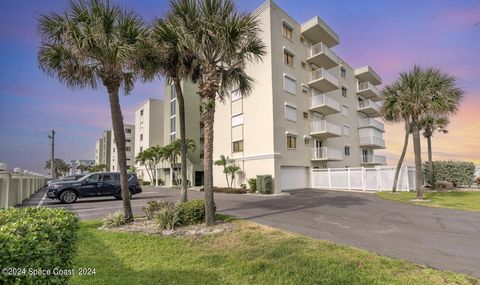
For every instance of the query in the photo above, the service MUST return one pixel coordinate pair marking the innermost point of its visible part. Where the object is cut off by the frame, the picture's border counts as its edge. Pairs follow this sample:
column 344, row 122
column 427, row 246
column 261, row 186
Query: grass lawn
column 250, row 254
column 467, row 201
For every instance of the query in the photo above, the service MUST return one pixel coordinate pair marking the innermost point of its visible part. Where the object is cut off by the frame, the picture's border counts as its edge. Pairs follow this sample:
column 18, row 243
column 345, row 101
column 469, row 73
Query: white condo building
column 129, row 148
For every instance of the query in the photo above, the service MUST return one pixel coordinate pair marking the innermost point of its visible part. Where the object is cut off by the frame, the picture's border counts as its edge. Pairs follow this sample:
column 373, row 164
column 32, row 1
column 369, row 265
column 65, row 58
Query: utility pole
column 52, row 159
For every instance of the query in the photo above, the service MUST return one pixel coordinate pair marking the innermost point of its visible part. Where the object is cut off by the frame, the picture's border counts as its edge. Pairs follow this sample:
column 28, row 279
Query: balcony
column 373, row 142
column 367, row 73
column 322, row 80
column 317, row 31
column 367, row 90
column 324, row 129
column 369, row 108
column 321, row 55
column 371, row 123
column 373, row 159
column 326, row 153
column 323, row 104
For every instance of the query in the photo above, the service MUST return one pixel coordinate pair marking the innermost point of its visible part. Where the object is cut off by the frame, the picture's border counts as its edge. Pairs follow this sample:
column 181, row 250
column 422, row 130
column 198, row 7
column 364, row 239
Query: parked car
column 66, row 178
column 92, row 185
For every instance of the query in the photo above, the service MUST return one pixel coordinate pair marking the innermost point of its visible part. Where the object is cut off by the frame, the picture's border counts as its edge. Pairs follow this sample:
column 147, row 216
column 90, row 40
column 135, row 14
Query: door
column 294, row 177
column 89, row 187
column 198, row 178
column 108, row 185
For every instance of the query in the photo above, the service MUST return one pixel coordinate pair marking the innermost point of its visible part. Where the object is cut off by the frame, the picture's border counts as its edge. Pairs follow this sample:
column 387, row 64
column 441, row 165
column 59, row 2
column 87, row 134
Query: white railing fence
column 18, row 185
column 363, row 179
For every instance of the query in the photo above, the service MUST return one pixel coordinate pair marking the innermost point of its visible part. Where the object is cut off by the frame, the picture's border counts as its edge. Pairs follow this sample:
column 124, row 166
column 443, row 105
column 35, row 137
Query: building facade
column 129, row 148
column 74, row 164
column 99, row 151
column 308, row 109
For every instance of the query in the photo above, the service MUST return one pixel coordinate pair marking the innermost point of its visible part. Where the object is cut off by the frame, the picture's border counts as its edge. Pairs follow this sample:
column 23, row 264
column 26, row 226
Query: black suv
column 92, row 185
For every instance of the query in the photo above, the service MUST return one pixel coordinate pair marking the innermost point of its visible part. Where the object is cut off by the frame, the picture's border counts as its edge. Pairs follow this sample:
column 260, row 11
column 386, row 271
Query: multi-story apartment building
column 99, row 151
column 74, row 164
column 129, row 148
column 103, row 149
column 309, row 108
column 149, row 118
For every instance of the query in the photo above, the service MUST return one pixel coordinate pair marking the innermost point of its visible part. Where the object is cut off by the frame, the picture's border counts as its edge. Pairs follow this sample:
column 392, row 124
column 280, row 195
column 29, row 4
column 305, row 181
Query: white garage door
column 293, row 177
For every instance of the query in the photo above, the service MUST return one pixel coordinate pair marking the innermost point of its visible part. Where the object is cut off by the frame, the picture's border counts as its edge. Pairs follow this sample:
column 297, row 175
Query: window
column 304, row 65
column 237, row 146
column 107, row 177
column 141, row 148
column 141, row 112
column 345, row 110
column 128, row 131
column 346, row 130
column 173, row 94
column 237, row 120
column 347, row 150
column 141, row 137
column 173, row 126
column 290, row 113
column 287, row 31
column 128, row 140
column 128, row 148
column 302, row 40
column 291, row 141
column 289, row 84
column 343, row 72
column 307, row 141
column 344, row 91
column 287, row 58
column 173, row 107
column 172, row 137
column 305, row 115
column 236, row 95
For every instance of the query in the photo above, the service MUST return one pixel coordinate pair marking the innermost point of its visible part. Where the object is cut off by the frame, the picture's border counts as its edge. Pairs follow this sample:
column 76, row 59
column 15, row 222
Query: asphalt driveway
column 439, row 238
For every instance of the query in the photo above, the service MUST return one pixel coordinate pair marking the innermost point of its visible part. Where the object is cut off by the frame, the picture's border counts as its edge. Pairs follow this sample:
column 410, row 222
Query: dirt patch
column 148, row 226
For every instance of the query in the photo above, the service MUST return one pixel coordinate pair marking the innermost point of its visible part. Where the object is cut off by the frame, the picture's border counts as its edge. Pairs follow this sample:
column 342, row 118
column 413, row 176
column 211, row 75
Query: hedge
column 37, row 239
column 264, row 184
column 191, row 212
column 457, row 172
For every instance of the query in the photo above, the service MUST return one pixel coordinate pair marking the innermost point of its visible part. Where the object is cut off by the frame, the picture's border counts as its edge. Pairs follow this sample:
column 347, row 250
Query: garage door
column 294, row 177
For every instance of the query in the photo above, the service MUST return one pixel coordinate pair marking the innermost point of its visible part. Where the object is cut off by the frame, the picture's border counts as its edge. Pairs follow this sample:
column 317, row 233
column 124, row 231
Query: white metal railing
column 322, row 99
column 368, row 104
column 322, row 48
column 324, row 126
column 374, row 159
column 372, row 140
column 326, row 153
column 322, row 73
column 367, row 85
column 370, row 122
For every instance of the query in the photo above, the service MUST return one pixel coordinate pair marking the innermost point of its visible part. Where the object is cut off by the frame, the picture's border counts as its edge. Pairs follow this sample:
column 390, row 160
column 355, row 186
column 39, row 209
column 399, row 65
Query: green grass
column 466, row 201
column 250, row 254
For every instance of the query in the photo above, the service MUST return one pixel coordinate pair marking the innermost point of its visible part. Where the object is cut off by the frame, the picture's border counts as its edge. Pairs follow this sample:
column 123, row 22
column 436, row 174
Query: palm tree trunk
column 119, row 133
column 418, row 160
column 226, row 176
column 402, row 157
column 430, row 163
column 183, row 143
column 208, row 116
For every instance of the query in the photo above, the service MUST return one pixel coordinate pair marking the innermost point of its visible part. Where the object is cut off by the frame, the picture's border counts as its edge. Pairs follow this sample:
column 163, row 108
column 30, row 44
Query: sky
column 390, row 36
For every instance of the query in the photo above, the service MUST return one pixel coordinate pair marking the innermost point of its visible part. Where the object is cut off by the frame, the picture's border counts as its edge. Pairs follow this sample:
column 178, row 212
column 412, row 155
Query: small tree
column 224, row 162
column 232, row 170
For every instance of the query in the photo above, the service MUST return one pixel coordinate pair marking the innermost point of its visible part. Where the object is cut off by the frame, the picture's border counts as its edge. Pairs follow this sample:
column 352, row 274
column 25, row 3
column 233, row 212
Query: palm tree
column 421, row 92
column 224, row 162
column 142, row 158
column 430, row 124
column 166, row 57
column 91, row 43
column 222, row 42
column 157, row 155
column 232, row 170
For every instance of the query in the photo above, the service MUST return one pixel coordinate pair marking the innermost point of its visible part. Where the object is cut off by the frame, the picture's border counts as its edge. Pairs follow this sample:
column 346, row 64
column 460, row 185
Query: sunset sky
column 390, row 36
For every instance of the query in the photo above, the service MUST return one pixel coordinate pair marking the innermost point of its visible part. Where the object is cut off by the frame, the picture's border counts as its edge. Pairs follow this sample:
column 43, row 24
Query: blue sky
column 391, row 36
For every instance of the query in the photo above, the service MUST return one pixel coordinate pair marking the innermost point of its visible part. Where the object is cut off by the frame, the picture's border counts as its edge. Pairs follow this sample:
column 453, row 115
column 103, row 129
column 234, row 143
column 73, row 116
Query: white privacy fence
column 363, row 179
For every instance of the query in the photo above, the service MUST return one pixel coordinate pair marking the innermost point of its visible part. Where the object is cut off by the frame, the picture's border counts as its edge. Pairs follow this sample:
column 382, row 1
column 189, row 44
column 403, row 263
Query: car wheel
column 68, row 197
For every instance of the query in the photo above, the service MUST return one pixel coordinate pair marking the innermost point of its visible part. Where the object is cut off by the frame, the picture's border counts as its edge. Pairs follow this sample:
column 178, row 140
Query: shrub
column 443, row 185
column 152, row 207
column 477, row 180
column 229, row 190
column 252, row 182
column 115, row 219
column 39, row 238
column 457, row 172
column 264, row 184
column 191, row 212
column 168, row 216
column 145, row 183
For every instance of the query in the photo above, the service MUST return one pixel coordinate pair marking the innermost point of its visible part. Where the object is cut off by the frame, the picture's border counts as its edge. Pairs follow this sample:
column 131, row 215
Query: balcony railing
column 372, row 141
column 321, row 55
column 326, row 153
column 322, row 99
column 369, row 122
column 367, row 85
column 374, row 159
column 324, row 126
column 322, row 73
column 368, row 104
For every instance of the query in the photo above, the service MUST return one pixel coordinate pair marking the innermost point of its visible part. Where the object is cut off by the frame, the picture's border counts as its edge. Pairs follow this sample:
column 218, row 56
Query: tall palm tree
column 95, row 42
column 166, row 56
column 222, row 41
column 431, row 124
column 422, row 92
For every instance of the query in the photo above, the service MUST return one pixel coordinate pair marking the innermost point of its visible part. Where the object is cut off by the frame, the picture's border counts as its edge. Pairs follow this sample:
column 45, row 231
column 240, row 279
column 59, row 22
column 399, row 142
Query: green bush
column 229, row 190
column 252, row 182
column 457, row 172
column 115, row 219
column 152, row 207
column 191, row 212
column 37, row 238
column 168, row 216
column 264, row 184
column 145, row 183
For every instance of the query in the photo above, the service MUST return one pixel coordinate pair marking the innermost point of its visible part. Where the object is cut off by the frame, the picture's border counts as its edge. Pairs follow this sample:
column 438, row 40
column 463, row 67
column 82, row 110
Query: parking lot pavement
column 439, row 238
